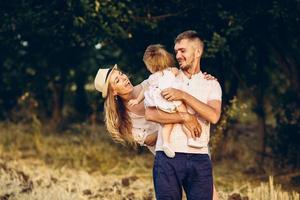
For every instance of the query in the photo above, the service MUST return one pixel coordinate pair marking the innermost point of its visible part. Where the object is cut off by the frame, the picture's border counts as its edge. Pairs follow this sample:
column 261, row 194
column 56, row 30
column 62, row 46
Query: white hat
column 102, row 79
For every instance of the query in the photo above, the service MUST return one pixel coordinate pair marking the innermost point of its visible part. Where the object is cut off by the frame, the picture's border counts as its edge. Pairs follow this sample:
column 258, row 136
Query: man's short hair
column 190, row 35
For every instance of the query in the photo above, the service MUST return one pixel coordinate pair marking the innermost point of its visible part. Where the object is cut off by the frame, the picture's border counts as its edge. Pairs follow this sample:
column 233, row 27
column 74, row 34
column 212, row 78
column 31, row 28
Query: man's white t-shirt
column 205, row 91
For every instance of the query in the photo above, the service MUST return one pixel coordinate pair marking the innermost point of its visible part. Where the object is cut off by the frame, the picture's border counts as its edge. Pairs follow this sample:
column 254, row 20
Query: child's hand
column 175, row 71
column 133, row 102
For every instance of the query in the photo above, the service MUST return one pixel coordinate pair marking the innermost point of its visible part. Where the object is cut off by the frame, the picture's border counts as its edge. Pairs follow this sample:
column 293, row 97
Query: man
column 191, row 168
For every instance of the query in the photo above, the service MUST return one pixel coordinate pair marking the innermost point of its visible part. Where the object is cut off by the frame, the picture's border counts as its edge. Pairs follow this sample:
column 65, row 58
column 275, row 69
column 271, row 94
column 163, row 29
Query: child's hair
column 157, row 58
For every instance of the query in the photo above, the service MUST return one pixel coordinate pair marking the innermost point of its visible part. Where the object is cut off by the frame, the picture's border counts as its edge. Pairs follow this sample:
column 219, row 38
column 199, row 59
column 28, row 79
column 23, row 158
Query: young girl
column 159, row 62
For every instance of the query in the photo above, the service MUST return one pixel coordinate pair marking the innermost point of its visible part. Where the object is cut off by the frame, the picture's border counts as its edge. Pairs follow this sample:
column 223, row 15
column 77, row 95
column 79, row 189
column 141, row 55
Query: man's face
column 185, row 54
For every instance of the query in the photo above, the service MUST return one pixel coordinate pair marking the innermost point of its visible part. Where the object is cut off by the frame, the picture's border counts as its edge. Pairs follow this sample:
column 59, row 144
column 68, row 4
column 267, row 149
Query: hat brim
column 105, row 88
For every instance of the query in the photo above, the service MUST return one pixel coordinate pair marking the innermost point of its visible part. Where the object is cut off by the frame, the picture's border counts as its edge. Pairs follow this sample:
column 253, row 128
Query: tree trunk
column 260, row 102
column 57, row 103
column 58, row 93
column 261, row 134
column 80, row 102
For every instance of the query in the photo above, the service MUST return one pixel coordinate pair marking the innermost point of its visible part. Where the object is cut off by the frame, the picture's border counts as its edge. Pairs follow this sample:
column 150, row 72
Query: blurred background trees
column 51, row 50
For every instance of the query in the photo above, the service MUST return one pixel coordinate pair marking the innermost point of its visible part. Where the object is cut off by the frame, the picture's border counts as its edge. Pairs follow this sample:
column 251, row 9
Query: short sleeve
column 153, row 78
column 215, row 92
column 145, row 84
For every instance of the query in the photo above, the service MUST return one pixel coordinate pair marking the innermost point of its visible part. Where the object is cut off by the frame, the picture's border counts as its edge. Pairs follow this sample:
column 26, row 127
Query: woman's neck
column 137, row 109
column 132, row 95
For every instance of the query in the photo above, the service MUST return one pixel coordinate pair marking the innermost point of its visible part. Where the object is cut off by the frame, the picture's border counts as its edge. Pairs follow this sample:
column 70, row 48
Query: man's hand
column 172, row 94
column 192, row 124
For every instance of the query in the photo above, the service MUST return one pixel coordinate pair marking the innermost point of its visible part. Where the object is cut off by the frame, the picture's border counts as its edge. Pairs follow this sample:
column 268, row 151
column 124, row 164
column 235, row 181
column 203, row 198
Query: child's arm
column 175, row 71
column 139, row 99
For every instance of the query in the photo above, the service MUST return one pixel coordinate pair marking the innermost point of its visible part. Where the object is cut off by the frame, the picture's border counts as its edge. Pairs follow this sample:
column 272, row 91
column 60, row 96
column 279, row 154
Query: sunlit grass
column 269, row 190
column 79, row 151
column 77, row 164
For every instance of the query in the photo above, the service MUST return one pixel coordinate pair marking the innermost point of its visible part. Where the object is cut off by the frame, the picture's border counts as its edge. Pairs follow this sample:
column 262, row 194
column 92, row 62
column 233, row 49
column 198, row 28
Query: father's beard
column 187, row 65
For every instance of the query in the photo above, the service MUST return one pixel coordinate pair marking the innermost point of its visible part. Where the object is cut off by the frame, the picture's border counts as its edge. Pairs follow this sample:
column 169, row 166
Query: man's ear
column 198, row 52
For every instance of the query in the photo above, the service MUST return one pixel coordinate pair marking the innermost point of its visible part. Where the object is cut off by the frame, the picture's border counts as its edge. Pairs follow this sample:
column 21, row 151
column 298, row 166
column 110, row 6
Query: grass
column 77, row 151
column 77, row 164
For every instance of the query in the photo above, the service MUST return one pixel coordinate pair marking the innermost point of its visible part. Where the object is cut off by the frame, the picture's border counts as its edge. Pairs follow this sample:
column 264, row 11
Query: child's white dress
column 157, row 82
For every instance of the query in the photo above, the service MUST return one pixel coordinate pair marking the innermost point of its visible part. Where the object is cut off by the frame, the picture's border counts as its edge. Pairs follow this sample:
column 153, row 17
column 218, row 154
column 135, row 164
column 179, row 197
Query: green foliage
column 216, row 44
column 285, row 139
column 236, row 111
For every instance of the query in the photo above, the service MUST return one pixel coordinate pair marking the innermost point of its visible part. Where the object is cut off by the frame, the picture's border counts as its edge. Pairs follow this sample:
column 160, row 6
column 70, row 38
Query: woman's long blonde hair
column 117, row 120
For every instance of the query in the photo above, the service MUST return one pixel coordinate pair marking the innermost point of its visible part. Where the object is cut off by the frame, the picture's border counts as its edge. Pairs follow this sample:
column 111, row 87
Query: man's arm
column 188, row 120
column 156, row 115
column 210, row 111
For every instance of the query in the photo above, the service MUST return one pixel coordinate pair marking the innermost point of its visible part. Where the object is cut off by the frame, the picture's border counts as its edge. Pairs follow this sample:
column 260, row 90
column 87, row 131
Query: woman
column 127, row 124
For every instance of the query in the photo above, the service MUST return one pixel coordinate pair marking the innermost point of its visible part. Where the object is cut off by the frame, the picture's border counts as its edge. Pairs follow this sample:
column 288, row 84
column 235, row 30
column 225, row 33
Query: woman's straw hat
column 102, row 79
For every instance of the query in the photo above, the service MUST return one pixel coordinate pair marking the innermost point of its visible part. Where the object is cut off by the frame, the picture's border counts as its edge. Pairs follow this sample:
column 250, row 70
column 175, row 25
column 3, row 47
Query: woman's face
column 120, row 83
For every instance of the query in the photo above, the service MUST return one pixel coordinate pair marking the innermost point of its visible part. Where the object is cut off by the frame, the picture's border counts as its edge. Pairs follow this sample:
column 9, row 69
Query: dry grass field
column 77, row 164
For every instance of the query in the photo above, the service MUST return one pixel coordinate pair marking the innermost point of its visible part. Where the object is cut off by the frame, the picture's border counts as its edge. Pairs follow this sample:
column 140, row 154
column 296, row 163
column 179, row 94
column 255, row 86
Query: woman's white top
column 141, row 128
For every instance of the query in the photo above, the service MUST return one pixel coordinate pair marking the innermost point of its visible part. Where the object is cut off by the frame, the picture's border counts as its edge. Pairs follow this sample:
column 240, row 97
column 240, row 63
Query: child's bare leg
column 187, row 132
column 166, row 132
column 182, row 109
column 191, row 141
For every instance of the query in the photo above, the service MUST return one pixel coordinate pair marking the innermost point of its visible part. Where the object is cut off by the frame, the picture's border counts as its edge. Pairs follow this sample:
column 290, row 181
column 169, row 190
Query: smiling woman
column 124, row 125
column 127, row 124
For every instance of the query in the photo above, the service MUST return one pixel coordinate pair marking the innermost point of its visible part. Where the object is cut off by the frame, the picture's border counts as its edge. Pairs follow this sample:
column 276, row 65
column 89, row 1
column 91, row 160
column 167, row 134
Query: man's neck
column 191, row 71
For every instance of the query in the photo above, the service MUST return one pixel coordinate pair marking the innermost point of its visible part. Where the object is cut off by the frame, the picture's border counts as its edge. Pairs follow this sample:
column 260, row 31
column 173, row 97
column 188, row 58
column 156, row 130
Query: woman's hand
column 151, row 139
column 192, row 124
column 209, row 77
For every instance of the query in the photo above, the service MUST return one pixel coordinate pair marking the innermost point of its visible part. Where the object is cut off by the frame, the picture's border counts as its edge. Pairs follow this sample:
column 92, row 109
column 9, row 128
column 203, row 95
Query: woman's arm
column 139, row 99
column 151, row 139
